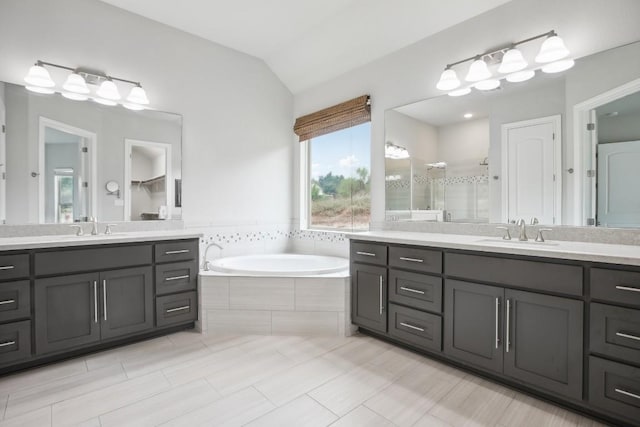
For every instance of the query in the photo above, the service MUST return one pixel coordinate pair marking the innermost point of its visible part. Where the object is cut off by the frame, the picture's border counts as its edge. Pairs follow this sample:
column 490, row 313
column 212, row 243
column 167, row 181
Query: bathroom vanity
column 560, row 320
column 64, row 295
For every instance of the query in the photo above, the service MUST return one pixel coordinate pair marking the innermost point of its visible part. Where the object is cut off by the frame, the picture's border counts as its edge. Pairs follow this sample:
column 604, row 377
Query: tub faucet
column 523, row 230
column 205, row 263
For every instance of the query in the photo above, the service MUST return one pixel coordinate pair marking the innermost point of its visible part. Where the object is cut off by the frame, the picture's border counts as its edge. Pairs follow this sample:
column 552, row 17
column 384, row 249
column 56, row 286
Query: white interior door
column 618, row 190
column 3, row 166
column 531, row 159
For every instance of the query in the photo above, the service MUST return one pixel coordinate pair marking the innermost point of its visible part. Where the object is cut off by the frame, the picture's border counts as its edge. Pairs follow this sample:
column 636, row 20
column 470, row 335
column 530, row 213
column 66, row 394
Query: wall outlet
column 118, row 202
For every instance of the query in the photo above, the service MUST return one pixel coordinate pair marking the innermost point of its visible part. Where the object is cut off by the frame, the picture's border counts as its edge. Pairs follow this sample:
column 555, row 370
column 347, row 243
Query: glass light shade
column 460, row 92
column 551, row 50
column 558, row 66
column 76, row 84
column 103, row 101
column 512, row 61
column 131, row 106
column 75, row 96
column 488, row 84
column 138, row 96
column 38, row 89
column 520, row 76
column 39, row 76
column 478, row 71
column 108, row 90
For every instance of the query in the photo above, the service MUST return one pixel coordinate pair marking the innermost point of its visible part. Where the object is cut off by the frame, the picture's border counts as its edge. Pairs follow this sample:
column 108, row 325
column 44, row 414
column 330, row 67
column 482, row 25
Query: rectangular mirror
column 501, row 155
column 67, row 161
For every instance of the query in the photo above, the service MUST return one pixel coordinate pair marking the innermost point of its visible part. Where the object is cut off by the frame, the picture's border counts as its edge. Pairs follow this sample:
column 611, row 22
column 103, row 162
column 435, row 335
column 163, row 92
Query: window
column 335, row 166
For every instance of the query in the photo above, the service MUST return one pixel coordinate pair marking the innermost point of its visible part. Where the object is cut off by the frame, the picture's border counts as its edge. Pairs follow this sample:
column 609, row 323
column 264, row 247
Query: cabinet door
column 369, row 296
column 472, row 322
column 544, row 346
column 66, row 312
column 127, row 301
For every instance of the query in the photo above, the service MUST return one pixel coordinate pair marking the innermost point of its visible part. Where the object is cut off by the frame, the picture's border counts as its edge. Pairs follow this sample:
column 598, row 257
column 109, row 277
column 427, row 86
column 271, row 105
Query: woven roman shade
column 338, row 117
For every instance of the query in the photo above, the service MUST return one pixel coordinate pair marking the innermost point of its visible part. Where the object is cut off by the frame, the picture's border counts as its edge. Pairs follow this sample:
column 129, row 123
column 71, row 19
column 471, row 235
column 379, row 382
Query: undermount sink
column 514, row 242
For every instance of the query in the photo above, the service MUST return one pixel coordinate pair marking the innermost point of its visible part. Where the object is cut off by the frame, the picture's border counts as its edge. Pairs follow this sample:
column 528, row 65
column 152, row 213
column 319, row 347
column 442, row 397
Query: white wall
column 419, row 138
column 410, row 74
column 463, row 146
column 237, row 138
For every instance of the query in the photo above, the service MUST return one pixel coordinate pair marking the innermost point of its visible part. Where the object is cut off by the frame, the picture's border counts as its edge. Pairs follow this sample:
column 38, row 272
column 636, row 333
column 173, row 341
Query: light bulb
column 138, row 96
column 558, row 66
column 108, row 90
column 478, row 71
column 75, row 96
column 488, row 84
column 75, row 83
column 39, row 76
column 512, row 61
column 131, row 106
column 551, row 50
column 104, row 101
column 520, row 76
column 38, row 89
column 448, row 80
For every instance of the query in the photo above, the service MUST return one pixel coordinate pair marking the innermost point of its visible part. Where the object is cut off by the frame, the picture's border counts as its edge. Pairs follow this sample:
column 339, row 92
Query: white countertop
column 580, row 251
column 34, row 242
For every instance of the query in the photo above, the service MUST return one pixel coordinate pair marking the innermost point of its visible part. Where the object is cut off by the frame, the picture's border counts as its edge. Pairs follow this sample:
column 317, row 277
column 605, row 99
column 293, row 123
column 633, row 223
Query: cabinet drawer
column 415, row 327
column 416, row 290
column 616, row 286
column 615, row 387
column 15, row 341
column 90, row 259
column 178, row 308
column 15, row 300
column 14, row 266
column 615, row 331
column 369, row 253
column 428, row 261
column 180, row 250
column 176, row 277
column 535, row 275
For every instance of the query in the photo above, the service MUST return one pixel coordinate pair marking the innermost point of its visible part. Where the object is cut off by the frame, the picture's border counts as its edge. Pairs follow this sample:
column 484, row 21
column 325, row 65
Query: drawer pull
column 104, row 300
column 415, row 291
column 7, row 301
column 411, row 259
column 631, row 337
column 628, row 288
column 626, row 393
column 7, row 344
column 181, row 251
column 406, row 325
column 366, row 253
column 7, row 267
column 169, row 279
column 184, row 307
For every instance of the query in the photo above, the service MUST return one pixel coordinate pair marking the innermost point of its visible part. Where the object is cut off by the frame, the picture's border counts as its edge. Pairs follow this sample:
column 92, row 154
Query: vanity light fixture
column 393, row 151
column 487, row 69
column 77, row 86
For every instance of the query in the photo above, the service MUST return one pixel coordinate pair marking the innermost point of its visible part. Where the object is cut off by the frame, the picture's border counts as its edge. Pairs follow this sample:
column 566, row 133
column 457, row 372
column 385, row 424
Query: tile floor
column 189, row 379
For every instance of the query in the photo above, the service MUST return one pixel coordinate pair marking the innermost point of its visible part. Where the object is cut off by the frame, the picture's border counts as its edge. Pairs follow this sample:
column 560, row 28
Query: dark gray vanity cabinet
column 15, row 308
column 369, row 296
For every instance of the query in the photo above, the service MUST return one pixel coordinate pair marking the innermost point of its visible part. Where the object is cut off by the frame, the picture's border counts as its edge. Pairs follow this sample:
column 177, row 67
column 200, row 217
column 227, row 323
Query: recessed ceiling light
column 468, row 116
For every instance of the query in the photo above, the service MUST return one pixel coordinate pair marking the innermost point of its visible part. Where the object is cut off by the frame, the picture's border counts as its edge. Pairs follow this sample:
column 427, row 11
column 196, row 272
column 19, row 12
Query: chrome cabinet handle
column 365, row 253
column 7, row 301
column 627, row 393
column 628, row 288
column 406, row 325
column 7, row 344
column 104, row 295
column 631, row 337
column 497, row 319
column 7, row 267
column 381, row 305
column 415, row 291
column 168, row 279
column 508, row 321
column 184, row 307
column 181, row 251
column 95, row 301
column 411, row 259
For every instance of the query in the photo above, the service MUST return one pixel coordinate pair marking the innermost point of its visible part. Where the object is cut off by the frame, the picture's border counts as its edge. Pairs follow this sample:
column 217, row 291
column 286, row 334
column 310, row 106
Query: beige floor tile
column 132, row 351
column 313, row 347
column 525, row 411
column 269, row 344
column 358, row 352
column 201, row 367
column 397, row 360
column 12, row 383
column 362, row 417
column 155, row 361
column 93, row 422
column 234, row 410
column 29, row 399
column 431, row 421
column 473, row 401
column 302, row 412
column 3, row 405
column 91, row 405
column 406, row 400
column 217, row 342
column 297, row 380
column 165, row 406
column 188, row 337
column 346, row 392
column 39, row 418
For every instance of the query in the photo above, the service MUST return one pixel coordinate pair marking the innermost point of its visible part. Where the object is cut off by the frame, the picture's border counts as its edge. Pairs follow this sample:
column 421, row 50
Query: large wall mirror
column 64, row 161
column 559, row 149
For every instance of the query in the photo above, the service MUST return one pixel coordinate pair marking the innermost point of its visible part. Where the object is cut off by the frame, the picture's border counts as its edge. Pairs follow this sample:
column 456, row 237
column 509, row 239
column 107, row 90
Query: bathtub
column 275, row 294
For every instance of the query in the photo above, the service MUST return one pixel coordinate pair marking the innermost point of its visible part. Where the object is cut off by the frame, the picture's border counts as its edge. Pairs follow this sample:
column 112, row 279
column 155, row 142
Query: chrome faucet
column 523, row 230
column 94, row 230
column 205, row 263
